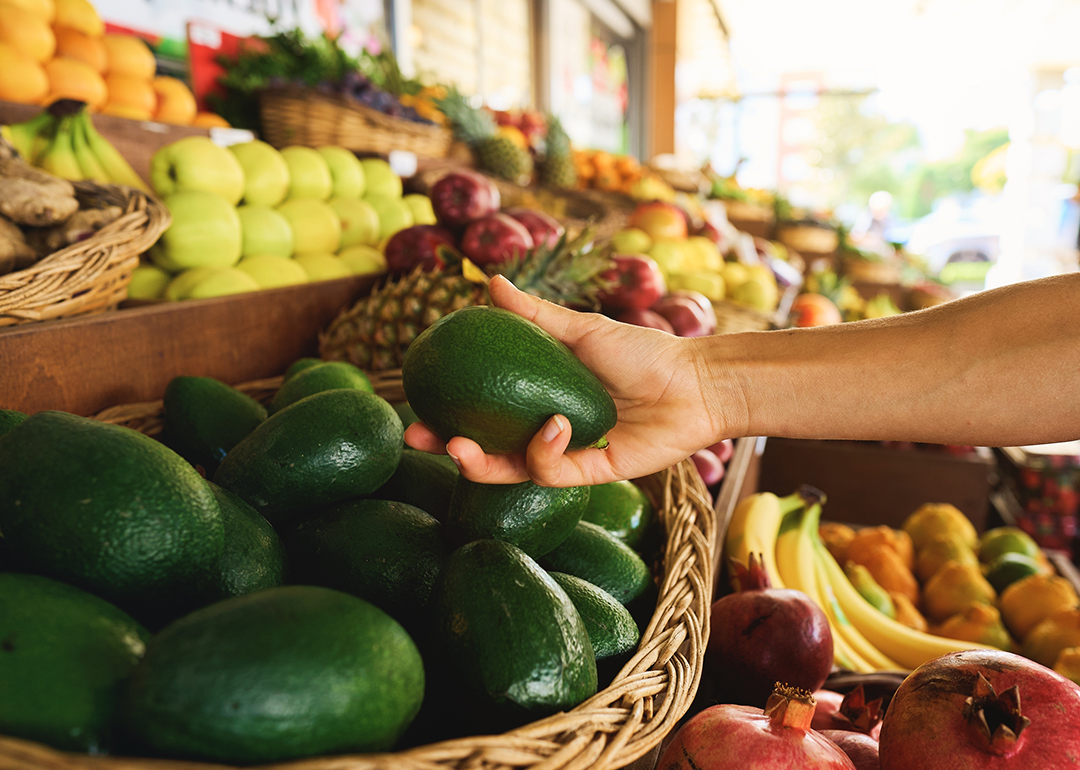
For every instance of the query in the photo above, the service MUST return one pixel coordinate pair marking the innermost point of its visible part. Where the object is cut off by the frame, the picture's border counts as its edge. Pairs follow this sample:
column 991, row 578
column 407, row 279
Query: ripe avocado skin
column 278, row 674
column 205, row 418
column 495, row 377
column 508, row 638
column 322, row 449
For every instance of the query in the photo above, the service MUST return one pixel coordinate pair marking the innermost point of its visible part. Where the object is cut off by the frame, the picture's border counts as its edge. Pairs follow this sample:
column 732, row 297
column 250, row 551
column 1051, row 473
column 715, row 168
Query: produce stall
column 219, row 362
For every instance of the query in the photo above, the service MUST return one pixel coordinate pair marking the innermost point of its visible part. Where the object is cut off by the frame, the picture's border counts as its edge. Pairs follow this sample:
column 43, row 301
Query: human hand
column 654, row 378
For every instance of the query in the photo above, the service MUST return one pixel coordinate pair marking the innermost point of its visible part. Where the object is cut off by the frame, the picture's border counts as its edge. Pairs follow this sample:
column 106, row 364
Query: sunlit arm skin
column 998, row 368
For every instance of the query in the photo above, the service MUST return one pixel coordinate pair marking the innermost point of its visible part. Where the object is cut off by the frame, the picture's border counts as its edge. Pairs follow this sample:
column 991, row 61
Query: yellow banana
column 753, row 528
column 795, row 559
column 59, row 157
column 116, row 168
column 31, row 136
column 88, row 162
column 905, row 645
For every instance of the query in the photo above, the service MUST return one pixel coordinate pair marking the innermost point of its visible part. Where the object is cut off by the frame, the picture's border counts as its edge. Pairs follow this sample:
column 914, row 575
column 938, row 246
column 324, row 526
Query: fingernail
column 553, row 428
column 453, row 457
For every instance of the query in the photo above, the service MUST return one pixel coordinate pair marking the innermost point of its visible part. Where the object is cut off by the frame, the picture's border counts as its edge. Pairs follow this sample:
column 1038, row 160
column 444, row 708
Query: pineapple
column 557, row 168
column 374, row 333
column 498, row 153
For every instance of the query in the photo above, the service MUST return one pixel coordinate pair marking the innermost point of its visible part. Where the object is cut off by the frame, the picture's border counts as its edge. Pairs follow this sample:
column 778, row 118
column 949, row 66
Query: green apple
column 266, row 174
column 359, row 221
column 229, row 280
column 309, row 173
column 322, row 266
column 707, row 282
column 422, row 211
column 394, row 214
column 264, row 231
column 345, row 170
column 315, row 225
column 380, row 180
column 205, row 230
column 363, row 260
column 271, row 270
column 180, row 286
column 671, row 256
column 196, row 163
column 148, row 282
column 735, row 274
column 632, row 240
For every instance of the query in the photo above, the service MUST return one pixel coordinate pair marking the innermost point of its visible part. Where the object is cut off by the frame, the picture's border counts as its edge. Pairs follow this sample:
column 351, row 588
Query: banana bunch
column 64, row 142
column 783, row 531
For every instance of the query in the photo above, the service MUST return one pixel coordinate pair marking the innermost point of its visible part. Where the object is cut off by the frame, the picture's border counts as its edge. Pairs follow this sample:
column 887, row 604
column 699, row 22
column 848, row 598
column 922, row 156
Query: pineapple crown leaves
column 571, row 272
column 470, row 124
column 556, row 140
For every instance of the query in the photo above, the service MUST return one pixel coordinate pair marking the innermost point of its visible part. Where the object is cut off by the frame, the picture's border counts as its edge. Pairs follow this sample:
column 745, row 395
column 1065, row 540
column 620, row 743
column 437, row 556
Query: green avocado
column 592, row 553
column 508, row 637
column 282, row 673
column 421, row 479
column 624, row 510
column 9, row 418
column 322, row 449
column 64, row 657
column 205, row 418
column 495, row 377
column 326, row 375
column 532, row 517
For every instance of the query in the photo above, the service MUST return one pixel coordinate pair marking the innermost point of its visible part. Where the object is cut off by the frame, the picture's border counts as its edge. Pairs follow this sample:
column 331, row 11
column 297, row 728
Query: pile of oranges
column 599, row 170
column 59, row 49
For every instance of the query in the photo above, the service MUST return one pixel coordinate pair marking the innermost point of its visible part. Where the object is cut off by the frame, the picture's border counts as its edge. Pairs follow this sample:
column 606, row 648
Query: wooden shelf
column 83, row 365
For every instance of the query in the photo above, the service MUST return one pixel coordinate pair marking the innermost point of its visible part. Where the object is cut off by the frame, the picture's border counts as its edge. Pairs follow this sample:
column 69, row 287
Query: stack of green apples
column 248, row 217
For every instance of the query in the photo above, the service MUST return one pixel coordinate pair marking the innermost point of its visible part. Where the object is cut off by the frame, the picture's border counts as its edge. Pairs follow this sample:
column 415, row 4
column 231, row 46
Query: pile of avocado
column 266, row 583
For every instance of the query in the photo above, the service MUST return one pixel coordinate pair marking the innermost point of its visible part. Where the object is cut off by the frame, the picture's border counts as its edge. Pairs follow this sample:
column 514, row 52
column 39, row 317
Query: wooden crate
column 870, row 483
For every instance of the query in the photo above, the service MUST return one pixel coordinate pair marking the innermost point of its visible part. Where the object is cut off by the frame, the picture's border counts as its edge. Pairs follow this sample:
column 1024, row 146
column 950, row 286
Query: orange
column 78, row 45
column 43, row 9
column 131, row 92
column 22, row 79
column 129, row 55
column 27, row 32
column 126, row 111
column 210, row 120
column 80, row 15
column 73, row 79
column 175, row 102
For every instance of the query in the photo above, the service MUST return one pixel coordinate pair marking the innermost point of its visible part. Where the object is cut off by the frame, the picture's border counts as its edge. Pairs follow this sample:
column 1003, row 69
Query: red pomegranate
column 733, row 737
column 982, row 710
column 853, row 712
column 861, row 749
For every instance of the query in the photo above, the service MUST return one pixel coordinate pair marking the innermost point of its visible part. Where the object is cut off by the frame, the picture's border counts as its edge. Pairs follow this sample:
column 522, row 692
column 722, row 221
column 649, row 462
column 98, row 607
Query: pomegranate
column 762, row 635
column 778, row 737
column 984, row 709
column 851, row 712
column 860, row 748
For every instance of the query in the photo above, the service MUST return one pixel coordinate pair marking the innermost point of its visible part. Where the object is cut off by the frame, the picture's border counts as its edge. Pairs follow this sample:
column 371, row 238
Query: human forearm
column 997, row 368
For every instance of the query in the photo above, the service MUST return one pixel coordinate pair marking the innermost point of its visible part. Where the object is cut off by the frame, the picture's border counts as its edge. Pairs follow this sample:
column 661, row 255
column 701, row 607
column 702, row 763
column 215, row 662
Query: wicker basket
column 304, row 116
column 91, row 275
column 620, row 724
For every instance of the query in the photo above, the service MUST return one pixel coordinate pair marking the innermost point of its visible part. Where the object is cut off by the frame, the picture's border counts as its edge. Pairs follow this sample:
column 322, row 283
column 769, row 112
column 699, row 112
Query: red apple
column 708, row 230
column 414, row 246
column 723, row 449
column 708, row 312
column 544, row 228
column 494, row 239
column 685, row 315
column 637, row 283
column 661, row 220
column 650, row 319
column 709, row 466
column 463, row 196
column 812, row 309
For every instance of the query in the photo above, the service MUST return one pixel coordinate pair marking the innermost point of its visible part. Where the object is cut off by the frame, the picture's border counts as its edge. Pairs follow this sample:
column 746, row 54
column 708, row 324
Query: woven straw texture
column 91, row 275
column 617, row 726
column 294, row 115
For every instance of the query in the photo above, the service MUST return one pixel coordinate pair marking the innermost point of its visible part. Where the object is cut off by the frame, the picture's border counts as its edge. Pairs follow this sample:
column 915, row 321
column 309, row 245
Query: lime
column 994, row 542
column 1006, row 569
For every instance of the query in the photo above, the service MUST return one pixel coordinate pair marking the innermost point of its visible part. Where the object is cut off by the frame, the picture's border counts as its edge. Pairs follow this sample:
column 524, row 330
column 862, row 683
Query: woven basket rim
column 620, row 724
column 90, row 275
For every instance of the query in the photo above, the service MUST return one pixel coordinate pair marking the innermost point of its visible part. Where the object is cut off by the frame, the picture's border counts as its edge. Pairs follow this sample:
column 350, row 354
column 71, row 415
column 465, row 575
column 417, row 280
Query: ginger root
column 15, row 252
column 78, row 227
column 29, row 196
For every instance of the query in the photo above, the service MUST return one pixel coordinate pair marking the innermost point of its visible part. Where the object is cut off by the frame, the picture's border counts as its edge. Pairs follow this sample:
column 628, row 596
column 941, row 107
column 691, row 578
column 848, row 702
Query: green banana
column 88, row 162
column 31, row 136
column 116, row 168
column 59, row 157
